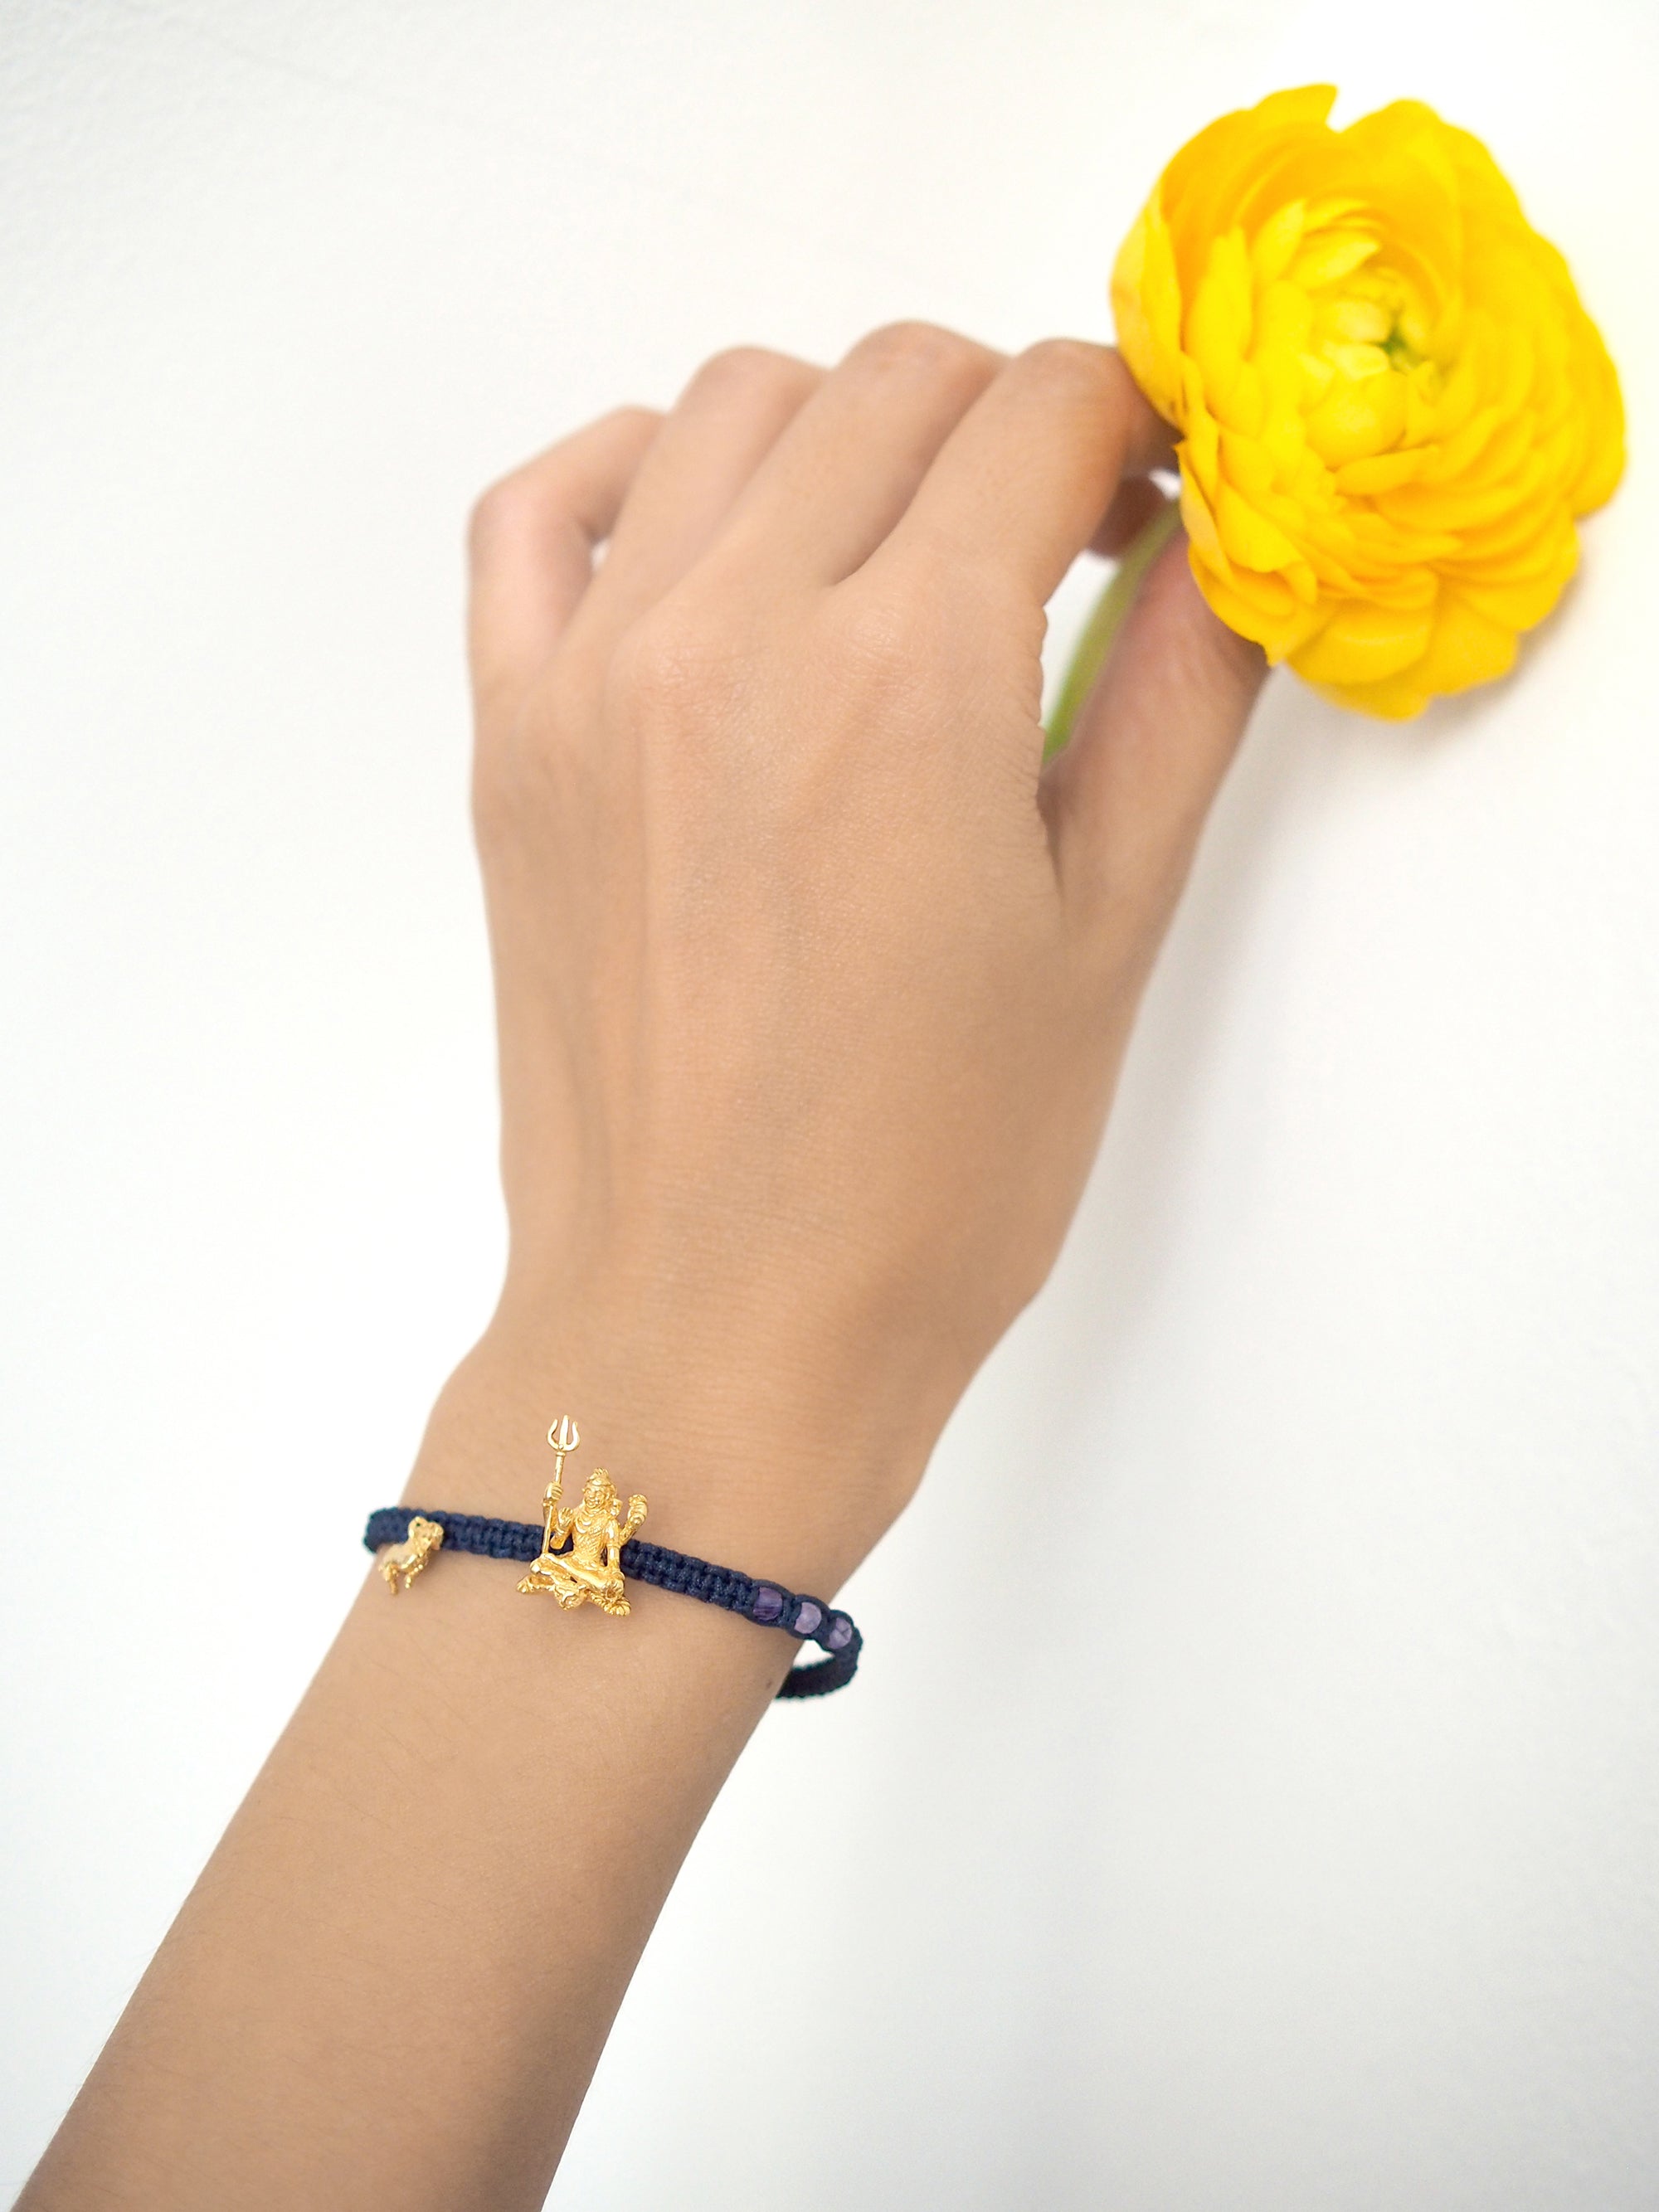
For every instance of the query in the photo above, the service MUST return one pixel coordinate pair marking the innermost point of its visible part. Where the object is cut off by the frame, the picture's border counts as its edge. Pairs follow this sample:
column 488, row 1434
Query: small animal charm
column 425, row 1537
column 590, row 1571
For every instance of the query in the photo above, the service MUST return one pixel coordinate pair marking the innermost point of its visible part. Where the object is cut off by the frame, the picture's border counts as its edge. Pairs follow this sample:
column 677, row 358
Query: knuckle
column 1072, row 367
column 497, row 517
column 889, row 646
column 518, row 511
column 673, row 666
column 638, row 420
column 881, row 632
column 917, row 346
column 743, row 371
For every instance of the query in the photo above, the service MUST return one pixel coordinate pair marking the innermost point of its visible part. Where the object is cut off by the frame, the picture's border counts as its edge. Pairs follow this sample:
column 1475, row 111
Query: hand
column 813, row 984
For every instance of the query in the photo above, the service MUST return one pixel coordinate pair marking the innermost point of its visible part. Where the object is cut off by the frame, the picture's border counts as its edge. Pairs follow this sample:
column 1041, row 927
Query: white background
column 1288, row 1841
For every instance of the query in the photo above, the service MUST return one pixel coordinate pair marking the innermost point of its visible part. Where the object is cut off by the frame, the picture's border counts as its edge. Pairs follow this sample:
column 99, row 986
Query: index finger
column 1025, row 478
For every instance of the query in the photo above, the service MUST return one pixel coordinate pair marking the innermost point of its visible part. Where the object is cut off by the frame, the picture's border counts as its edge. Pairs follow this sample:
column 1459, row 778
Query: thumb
column 1128, row 797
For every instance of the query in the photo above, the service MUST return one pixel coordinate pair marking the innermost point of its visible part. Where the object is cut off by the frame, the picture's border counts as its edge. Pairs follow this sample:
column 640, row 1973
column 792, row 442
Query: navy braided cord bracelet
column 808, row 1618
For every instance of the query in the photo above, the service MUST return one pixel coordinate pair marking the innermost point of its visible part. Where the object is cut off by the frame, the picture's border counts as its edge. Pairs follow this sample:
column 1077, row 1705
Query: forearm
column 418, row 1928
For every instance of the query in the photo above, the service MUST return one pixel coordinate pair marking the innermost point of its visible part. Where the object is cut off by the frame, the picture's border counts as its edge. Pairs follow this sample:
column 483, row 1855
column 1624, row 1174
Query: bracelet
column 580, row 1554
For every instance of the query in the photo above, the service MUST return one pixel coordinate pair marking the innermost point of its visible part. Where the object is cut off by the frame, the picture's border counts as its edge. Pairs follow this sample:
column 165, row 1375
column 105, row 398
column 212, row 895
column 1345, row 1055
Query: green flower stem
column 1103, row 624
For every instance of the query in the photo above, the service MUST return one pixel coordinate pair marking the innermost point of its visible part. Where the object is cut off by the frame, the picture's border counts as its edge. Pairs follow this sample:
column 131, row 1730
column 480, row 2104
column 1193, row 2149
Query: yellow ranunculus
column 1392, row 404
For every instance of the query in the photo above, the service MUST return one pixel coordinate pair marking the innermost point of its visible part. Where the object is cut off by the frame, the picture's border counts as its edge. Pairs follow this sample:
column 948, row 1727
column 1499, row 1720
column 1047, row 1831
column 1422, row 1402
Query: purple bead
column 840, row 1633
column 807, row 1618
column 766, row 1605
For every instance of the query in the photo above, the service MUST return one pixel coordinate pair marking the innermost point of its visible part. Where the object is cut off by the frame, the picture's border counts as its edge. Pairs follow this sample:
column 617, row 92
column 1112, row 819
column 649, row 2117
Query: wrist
column 752, row 1454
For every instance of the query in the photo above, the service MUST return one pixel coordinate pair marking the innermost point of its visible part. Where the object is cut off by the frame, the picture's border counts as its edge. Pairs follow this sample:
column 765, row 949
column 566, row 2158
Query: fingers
column 724, row 423
column 1128, row 797
column 918, row 429
column 845, row 470
column 1024, row 480
column 533, row 538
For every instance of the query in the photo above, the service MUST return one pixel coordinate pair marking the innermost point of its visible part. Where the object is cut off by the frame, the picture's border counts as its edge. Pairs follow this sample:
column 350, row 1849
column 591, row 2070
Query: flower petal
column 1363, row 643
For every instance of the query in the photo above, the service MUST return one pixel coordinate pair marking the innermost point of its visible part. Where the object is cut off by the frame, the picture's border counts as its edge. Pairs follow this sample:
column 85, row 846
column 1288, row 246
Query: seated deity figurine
column 589, row 1571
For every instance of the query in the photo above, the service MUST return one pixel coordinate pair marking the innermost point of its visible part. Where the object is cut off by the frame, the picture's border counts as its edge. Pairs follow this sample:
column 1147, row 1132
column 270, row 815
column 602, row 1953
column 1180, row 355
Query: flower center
column 1367, row 322
column 1364, row 342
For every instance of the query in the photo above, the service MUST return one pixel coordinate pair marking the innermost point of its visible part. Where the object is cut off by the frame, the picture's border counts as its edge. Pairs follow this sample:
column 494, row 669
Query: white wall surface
column 1300, row 1855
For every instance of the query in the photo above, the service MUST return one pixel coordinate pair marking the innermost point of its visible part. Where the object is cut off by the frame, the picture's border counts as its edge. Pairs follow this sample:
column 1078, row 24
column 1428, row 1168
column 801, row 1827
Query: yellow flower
column 1392, row 404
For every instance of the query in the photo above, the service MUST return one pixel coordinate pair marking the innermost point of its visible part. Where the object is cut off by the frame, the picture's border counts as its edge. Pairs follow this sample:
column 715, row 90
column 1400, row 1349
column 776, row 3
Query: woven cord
column 767, row 1603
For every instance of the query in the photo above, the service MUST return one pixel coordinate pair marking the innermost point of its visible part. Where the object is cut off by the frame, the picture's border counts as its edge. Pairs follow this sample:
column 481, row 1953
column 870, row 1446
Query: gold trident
column 564, row 1437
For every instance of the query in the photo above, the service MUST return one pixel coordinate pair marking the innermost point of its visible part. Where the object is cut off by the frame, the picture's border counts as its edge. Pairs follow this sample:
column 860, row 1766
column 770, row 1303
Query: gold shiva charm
column 425, row 1537
column 588, row 1572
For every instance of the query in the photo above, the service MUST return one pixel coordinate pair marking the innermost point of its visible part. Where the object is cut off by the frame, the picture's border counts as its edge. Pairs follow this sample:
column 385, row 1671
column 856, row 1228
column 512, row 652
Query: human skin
column 812, row 987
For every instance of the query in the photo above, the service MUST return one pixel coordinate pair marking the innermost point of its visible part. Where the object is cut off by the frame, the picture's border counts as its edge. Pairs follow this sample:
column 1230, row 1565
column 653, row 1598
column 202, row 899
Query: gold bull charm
column 590, row 1571
column 425, row 1537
